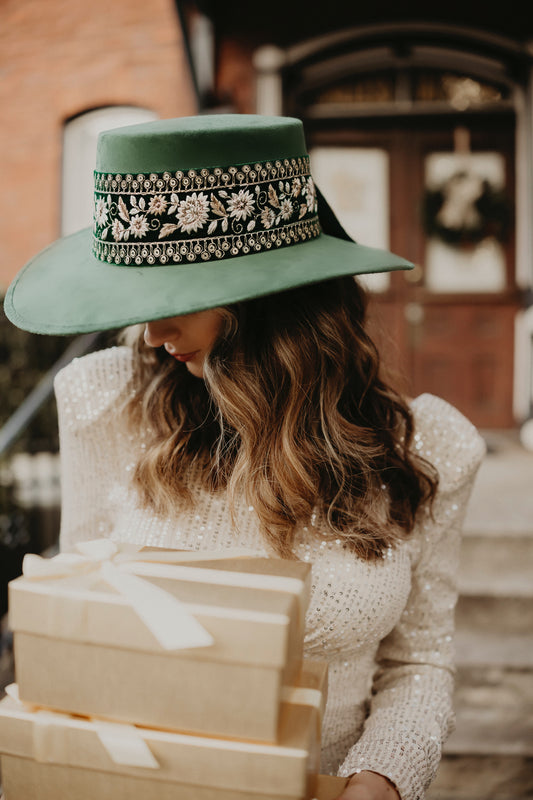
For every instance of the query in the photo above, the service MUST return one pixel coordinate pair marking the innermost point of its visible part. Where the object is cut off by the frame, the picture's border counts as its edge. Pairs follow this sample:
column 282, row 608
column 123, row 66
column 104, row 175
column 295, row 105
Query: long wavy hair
column 291, row 415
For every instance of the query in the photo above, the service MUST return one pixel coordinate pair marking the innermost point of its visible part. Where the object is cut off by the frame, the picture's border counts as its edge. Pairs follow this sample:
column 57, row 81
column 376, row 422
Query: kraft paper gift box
column 80, row 646
column 50, row 755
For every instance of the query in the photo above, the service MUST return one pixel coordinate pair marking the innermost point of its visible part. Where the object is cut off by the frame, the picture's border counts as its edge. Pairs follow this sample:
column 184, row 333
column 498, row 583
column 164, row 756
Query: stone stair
column 490, row 754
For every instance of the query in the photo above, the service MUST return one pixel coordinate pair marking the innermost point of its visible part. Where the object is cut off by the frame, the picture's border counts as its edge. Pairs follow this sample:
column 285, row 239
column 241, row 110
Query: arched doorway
column 415, row 132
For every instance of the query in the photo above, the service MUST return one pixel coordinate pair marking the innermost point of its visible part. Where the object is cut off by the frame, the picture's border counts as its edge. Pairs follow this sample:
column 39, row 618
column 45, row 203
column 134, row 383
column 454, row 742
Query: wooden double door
column 446, row 327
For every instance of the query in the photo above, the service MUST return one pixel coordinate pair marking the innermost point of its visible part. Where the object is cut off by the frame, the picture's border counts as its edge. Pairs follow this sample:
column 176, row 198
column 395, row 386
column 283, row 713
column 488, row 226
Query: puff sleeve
column 90, row 395
column 411, row 708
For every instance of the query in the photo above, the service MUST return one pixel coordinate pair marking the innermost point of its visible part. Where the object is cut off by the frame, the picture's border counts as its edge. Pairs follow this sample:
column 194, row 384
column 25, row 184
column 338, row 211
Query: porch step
column 490, row 754
column 493, row 649
column 505, row 615
column 497, row 563
column 496, row 584
column 472, row 777
column 502, row 500
column 494, row 713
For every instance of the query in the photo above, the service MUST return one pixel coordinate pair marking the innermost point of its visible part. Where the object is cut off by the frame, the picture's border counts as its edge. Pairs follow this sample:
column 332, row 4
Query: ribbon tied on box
column 170, row 622
column 123, row 743
column 168, row 619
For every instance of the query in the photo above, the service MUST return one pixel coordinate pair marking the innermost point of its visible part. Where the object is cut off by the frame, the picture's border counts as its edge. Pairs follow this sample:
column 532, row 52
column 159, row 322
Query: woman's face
column 188, row 338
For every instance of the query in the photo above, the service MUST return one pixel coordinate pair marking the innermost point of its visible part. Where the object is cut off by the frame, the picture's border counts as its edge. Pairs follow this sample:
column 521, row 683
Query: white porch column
column 268, row 62
column 523, row 388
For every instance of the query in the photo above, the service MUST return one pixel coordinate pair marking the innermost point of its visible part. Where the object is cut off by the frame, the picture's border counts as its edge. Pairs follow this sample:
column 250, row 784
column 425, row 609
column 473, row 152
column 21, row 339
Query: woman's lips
column 184, row 356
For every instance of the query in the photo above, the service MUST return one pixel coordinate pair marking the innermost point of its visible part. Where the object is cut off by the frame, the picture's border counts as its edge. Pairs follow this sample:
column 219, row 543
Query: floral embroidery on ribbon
column 203, row 215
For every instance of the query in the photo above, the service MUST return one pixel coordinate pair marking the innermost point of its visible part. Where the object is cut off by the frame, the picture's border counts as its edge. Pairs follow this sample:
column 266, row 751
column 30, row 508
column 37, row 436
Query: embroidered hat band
column 190, row 214
column 203, row 215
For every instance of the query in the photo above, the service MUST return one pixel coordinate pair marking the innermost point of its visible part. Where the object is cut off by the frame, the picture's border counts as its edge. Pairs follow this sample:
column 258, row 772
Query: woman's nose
column 158, row 332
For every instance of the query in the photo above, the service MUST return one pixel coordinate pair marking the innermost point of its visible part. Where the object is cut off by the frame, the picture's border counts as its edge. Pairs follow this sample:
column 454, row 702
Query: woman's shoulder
column 95, row 381
column 446, row 438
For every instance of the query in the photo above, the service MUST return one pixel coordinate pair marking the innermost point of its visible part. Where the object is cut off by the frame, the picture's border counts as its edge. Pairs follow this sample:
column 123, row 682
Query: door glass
column 355, row 182
column 466, row 217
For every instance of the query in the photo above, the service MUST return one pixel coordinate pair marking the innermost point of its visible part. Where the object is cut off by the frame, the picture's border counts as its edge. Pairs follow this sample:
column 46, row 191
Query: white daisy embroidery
column 193, row 212
column 158, row 205
column 139, row 226
column 241, row 204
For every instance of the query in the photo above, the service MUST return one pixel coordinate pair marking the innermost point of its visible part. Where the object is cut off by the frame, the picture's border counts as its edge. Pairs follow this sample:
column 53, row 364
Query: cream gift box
column 80, row 646
column 49, row 755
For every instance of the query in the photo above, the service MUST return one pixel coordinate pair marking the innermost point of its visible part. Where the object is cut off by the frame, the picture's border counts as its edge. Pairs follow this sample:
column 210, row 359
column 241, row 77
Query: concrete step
column 496, row 586
column 493, row 649
column 494, row 713
column 504, row 614
column 489, row 756
column 472, row 777
column 502, row 500
column 497, row 563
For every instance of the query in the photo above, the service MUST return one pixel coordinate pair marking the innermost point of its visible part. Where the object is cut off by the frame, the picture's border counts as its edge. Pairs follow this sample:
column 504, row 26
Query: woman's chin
column 196, row 368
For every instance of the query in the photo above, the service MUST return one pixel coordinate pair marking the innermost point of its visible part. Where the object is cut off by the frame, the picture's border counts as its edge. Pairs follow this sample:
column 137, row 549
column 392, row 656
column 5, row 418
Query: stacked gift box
column 156, row 674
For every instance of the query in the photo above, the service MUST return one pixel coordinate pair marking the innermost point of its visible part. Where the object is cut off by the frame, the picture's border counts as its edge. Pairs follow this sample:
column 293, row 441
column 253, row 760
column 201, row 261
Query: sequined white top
column 385, row 628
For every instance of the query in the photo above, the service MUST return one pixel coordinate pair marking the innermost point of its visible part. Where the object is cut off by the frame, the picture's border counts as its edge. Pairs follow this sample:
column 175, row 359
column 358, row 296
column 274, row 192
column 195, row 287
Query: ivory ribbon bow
column 168, row 619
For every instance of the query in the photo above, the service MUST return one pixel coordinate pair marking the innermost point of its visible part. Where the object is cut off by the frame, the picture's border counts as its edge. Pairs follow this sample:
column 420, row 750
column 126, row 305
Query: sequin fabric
column 385, row 628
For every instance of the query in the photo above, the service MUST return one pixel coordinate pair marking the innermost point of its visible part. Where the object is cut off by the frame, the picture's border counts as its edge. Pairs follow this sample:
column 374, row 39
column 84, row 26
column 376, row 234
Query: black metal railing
column 29, row 511
column 19, row 421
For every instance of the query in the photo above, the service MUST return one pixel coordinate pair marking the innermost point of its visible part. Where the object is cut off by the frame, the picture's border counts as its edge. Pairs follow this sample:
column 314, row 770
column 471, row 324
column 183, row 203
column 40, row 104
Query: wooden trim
column 512, row 297
column 339, row 111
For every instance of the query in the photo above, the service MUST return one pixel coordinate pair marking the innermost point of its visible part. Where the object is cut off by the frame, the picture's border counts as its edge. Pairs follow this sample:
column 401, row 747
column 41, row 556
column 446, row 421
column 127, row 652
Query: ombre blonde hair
column 292, row 416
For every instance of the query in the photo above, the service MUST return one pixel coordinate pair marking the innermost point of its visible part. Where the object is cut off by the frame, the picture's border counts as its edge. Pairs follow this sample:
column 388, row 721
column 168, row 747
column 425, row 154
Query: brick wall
column 59, row 58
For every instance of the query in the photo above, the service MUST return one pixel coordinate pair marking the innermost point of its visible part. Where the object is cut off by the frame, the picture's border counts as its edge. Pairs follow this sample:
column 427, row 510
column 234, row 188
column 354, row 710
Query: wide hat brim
column 66, row 290
column 174, row 233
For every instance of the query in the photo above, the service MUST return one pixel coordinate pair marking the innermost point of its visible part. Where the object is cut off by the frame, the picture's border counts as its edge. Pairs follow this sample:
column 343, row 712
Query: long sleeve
column 411, row 709
column 90, row 393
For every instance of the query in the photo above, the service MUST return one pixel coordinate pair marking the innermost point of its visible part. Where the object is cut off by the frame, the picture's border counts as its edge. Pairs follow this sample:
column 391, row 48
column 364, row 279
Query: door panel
column 456, row 344
column 465, row 354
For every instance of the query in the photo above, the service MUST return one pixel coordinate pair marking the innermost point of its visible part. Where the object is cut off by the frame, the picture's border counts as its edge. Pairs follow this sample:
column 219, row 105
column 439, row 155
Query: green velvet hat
column 190, row 214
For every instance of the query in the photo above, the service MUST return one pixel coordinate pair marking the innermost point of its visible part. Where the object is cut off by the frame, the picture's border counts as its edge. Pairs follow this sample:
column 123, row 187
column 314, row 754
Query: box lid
column 253, row 616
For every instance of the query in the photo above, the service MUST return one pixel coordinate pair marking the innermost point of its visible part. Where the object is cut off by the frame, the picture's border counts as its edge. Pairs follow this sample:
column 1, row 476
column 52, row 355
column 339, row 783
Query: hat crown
column 199, row 142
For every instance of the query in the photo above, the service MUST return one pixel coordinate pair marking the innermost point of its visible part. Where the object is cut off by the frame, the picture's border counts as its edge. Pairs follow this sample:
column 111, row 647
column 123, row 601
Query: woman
column 249, row 409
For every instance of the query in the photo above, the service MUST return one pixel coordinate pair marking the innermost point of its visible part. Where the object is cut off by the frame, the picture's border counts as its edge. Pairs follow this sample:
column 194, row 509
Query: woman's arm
column 93, row 443
column 411, row 710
